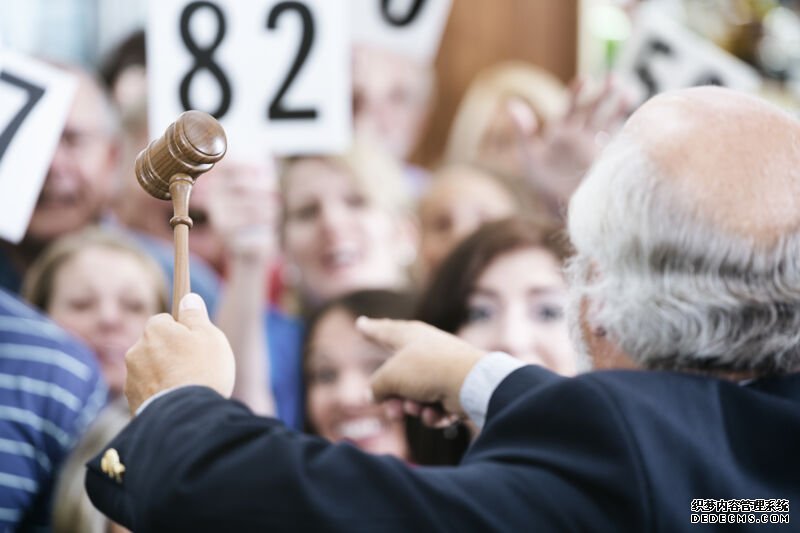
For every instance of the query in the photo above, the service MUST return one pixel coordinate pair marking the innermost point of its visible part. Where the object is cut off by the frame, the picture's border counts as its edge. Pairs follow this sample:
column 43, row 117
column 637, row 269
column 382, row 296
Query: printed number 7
column 35, row 93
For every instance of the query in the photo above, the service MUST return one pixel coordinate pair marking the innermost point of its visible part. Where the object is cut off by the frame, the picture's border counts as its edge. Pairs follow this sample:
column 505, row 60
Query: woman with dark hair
column 503, row 289
column 337, row 365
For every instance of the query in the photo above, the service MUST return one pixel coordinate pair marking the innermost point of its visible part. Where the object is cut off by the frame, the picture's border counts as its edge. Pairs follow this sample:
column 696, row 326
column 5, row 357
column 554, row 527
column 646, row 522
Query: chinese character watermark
column 739, row 511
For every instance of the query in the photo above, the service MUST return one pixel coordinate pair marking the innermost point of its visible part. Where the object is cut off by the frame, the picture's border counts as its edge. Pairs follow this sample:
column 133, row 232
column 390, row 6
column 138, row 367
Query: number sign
column 35, row 99
column 410, row 27
column 662, row 55
column 275, row 73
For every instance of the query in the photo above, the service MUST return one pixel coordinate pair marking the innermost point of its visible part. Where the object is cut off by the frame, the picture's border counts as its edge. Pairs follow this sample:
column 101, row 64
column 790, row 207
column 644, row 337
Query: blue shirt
column 285, row 344
column 50, row 389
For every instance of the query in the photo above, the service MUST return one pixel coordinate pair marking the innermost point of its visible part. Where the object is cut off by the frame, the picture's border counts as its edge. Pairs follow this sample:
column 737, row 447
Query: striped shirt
column 50, row 389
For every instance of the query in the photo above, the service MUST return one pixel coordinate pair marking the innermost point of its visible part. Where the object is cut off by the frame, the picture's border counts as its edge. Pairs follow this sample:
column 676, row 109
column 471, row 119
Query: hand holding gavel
column 168, row 168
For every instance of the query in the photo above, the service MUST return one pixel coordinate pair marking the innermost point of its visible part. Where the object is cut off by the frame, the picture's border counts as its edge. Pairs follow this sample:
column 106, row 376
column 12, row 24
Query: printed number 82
column 203, row 59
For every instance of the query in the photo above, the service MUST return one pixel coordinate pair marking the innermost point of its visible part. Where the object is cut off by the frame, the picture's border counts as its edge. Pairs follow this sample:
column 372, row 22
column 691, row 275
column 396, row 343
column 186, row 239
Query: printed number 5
column 35, row 93
column 653, row 48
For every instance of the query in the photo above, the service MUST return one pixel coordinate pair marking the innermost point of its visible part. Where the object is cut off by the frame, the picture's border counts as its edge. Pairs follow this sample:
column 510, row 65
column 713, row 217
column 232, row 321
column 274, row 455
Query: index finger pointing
column 393, row 334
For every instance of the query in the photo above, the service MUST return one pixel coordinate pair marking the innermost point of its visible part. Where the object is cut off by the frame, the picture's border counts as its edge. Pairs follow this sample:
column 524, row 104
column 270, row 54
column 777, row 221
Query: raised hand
column 170, row 353
column 557, row 156
column 244, row 209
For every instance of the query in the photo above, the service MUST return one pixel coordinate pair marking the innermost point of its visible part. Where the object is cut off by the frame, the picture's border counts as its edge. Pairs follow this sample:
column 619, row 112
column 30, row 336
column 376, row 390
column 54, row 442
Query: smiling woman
column 347, row 223
column 338, row 364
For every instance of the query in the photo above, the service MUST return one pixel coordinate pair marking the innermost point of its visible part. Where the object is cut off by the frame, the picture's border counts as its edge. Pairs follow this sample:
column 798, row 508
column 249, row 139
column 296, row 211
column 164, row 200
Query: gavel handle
column 180, row 188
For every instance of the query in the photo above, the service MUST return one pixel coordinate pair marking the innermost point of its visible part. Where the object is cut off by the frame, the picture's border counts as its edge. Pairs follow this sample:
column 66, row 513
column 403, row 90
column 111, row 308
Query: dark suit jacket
column 607, row 451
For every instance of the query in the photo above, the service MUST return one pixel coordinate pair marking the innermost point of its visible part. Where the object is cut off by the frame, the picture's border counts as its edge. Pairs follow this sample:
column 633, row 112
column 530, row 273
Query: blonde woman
column 102, row 288
column 347, row 223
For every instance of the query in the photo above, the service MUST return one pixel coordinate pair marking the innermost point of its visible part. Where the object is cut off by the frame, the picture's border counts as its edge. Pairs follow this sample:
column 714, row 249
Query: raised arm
column 244, row 211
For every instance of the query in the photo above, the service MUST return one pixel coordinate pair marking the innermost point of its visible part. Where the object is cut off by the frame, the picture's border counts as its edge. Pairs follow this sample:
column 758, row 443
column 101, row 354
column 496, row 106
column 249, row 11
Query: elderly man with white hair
column 687, row 294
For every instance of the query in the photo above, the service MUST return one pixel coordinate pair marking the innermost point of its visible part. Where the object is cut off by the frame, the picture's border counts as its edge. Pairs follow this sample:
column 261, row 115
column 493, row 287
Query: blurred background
column 415, row 170
column 566, row 37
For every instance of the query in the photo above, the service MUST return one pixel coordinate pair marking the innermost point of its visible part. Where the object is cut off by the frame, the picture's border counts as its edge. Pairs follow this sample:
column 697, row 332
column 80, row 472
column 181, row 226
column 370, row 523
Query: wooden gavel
column 168, row 168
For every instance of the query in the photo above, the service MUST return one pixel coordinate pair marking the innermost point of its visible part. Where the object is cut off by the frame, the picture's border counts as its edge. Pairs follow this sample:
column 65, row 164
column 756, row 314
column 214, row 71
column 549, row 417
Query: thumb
column 192, row 311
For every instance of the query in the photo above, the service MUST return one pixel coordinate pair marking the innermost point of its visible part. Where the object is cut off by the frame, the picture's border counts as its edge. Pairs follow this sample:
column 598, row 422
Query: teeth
column 342, row 258
column 360, row 429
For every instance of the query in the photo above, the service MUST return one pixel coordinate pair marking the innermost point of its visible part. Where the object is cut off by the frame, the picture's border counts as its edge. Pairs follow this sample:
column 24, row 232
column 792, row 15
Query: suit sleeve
column 195, row 461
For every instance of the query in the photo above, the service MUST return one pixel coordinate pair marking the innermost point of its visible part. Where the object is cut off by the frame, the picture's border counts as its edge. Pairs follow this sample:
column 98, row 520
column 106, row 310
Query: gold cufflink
column 112, row 466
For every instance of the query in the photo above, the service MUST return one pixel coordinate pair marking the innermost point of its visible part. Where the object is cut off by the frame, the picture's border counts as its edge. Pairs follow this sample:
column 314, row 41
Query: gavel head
column 191, row 145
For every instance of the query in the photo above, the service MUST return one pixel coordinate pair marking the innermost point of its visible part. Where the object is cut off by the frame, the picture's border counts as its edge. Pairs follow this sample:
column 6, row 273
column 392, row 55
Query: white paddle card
column 408, row 27
column 35, row 99
column 275, row 73
column 663, row 55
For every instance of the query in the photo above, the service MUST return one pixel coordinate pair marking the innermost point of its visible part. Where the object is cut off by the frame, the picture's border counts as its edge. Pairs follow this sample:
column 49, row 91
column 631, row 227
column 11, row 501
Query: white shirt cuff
column 481, row 382
column 156, row 396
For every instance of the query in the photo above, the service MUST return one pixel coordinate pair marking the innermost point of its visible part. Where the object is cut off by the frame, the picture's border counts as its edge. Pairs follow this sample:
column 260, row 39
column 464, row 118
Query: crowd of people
column 288, row 252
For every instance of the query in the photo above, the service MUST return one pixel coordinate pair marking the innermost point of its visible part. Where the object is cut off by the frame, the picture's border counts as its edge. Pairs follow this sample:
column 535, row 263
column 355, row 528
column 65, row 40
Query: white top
column 482, row 381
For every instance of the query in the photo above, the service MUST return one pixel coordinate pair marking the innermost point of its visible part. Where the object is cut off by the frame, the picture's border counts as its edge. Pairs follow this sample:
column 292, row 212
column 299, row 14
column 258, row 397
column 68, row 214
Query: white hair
column 670, row 289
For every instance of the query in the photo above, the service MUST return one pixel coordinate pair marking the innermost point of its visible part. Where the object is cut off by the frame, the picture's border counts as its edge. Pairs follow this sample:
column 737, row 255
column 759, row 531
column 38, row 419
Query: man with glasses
column 79, row 183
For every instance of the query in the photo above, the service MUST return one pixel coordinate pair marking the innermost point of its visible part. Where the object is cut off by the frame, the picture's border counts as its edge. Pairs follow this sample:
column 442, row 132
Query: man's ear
column 604, row 351
column 607, row 355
